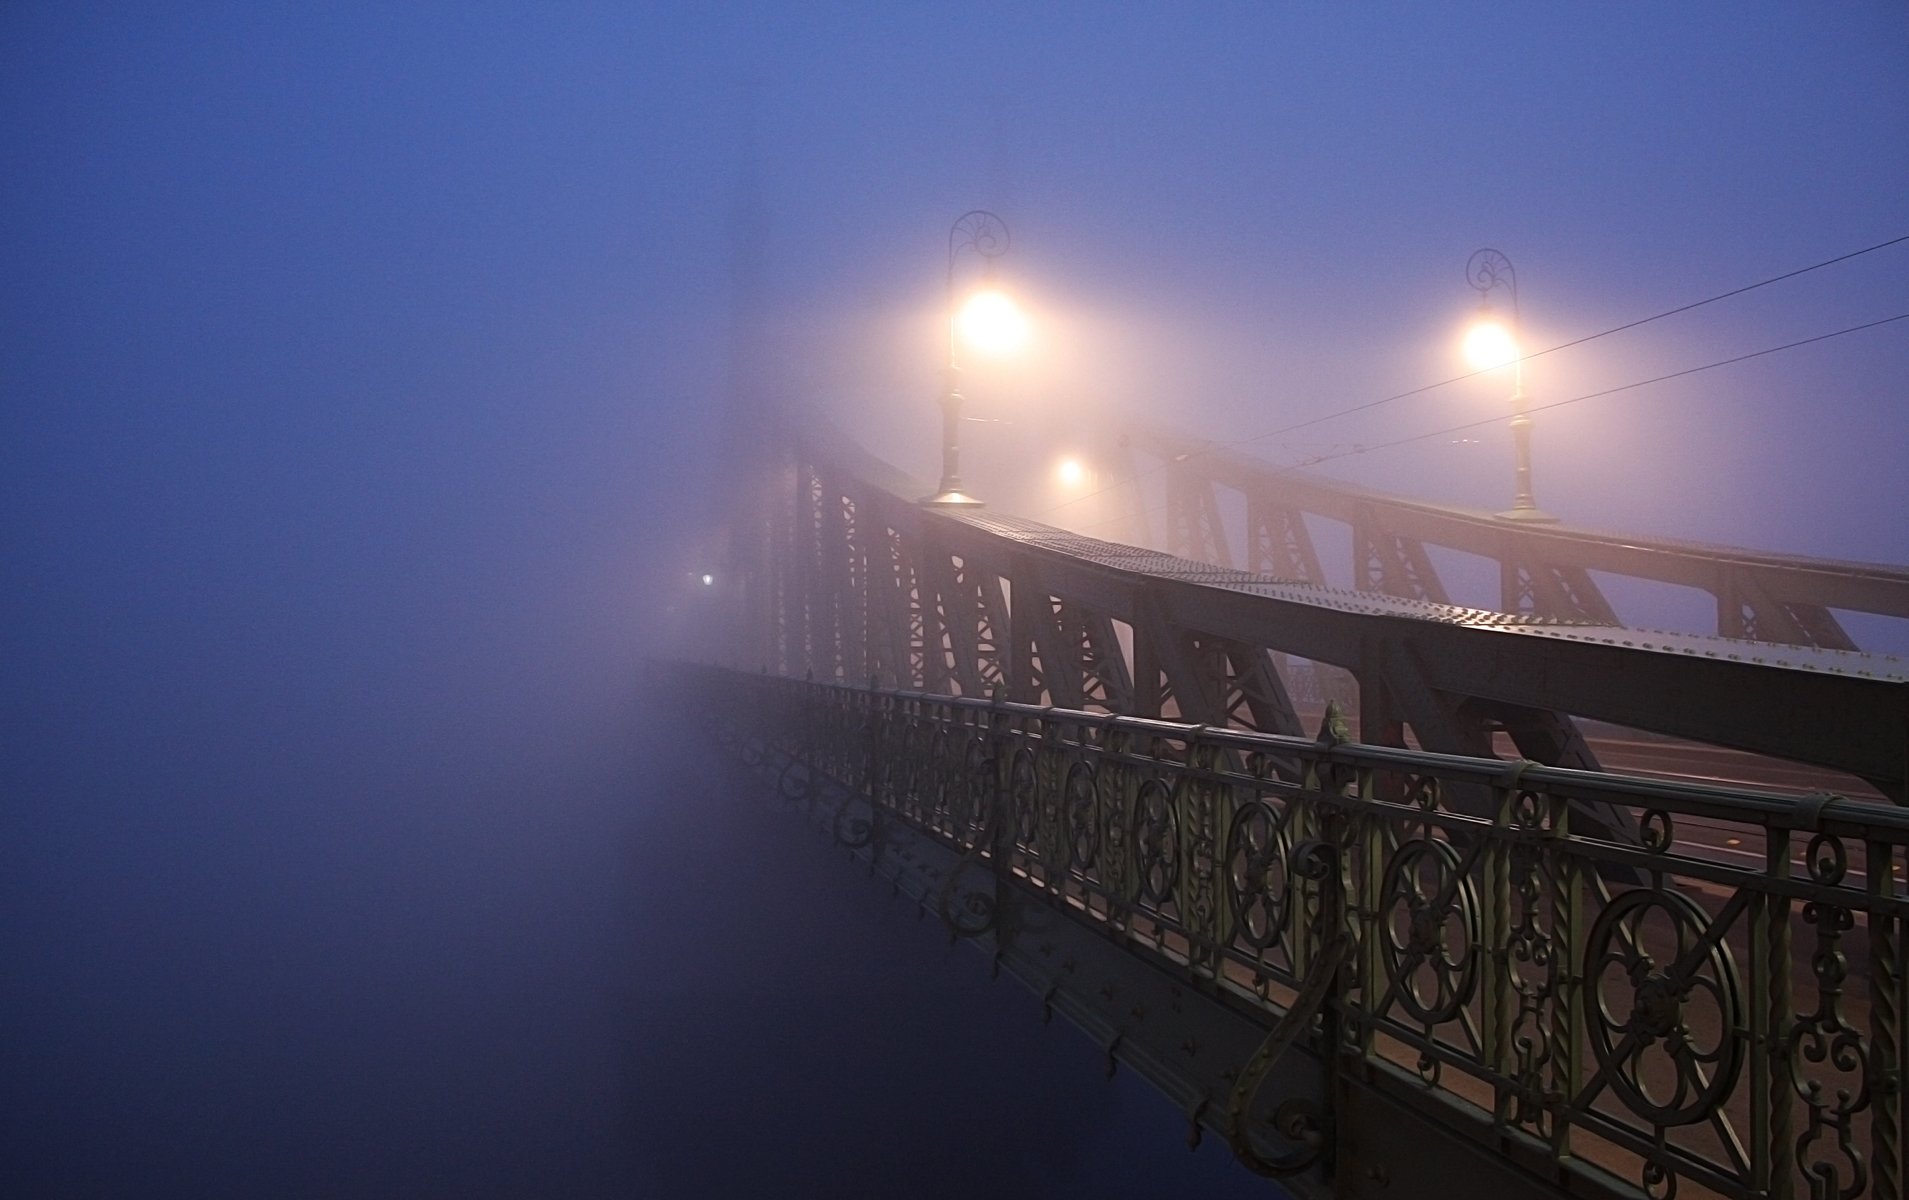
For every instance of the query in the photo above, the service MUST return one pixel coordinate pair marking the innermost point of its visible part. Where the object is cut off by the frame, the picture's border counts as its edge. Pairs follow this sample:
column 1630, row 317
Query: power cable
column 1589, row 337
column 1451, row 429
column 1420, row 437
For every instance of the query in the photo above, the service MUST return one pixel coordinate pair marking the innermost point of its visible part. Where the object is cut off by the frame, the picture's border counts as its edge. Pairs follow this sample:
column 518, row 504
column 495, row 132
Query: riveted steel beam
column 1546, row 567
column 1007, row 588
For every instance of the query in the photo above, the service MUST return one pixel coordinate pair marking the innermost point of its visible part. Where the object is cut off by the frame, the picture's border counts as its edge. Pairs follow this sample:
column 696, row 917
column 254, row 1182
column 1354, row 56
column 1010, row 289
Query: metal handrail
column 1688, row 1022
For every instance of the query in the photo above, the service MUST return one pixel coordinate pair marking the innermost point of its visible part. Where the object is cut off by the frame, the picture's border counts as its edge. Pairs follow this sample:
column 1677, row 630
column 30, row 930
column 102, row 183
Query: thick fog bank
column 519, row 970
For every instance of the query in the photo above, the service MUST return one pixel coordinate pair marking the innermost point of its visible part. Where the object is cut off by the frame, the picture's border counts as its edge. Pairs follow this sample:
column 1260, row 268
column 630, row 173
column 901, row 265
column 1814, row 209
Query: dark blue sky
column 360, row 373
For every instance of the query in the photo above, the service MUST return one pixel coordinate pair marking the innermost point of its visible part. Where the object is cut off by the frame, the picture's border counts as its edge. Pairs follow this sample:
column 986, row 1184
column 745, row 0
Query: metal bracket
column 1297, row 1119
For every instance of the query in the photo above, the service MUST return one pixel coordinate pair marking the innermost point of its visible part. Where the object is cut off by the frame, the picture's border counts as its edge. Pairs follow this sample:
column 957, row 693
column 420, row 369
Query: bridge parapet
column 1416, row 973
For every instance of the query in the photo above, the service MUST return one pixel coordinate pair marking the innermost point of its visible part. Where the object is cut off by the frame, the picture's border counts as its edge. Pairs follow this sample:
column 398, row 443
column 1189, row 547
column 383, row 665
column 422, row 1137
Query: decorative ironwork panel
column 1639, row 1014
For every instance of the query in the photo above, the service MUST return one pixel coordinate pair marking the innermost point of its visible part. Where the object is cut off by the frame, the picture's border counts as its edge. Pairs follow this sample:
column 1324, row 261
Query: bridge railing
column 1608, row 1016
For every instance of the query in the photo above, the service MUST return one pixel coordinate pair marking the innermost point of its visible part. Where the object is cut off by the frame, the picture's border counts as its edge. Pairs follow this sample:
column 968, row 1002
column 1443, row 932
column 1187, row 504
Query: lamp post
column 989, row 318
column 1490, row 344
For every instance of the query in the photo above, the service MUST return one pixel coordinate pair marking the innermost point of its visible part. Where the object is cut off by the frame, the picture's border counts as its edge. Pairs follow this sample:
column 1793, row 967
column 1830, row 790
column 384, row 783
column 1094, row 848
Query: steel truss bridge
column 1453, row 957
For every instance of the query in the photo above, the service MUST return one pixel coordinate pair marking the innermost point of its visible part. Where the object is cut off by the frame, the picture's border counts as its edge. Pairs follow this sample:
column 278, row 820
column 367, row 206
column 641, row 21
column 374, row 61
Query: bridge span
column 1455, row 956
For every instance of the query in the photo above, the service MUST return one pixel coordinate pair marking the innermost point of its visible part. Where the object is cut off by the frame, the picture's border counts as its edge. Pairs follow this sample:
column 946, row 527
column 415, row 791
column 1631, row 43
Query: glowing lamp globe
column 992, row 323
column 1488, row 345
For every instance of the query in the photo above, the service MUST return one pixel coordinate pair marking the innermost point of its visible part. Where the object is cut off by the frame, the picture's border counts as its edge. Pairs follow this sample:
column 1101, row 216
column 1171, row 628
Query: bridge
column 1337, row 865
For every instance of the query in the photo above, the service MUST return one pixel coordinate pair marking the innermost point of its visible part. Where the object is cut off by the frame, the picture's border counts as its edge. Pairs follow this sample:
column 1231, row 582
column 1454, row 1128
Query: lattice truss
column 861, row 584
column 1553, row 949
column 1543, row 570
column 873, row 589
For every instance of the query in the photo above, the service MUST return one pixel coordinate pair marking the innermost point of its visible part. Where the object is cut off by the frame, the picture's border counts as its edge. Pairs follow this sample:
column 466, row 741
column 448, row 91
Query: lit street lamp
column 989, row 321
column 1489, row 344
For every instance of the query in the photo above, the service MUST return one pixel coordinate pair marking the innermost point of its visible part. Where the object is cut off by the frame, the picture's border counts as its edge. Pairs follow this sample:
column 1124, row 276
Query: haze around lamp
column 992, row 323
column 1488, row 344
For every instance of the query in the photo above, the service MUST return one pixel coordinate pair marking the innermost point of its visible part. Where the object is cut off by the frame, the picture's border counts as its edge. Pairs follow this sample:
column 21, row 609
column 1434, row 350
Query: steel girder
column 1545, row 569
column 1386, row 562
column 1279, row 544
column 1194, row 528
column 1052, row 617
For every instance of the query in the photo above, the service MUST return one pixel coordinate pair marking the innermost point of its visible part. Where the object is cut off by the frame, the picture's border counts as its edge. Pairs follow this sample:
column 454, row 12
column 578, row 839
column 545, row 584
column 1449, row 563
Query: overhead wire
column 1625, row 387
column 1579, row 341
column 1589, row 337
column 1478, row 424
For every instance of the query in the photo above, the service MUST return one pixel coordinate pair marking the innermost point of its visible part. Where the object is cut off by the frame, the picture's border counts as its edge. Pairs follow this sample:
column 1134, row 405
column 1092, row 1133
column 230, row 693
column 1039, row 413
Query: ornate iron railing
column 1609, row 1016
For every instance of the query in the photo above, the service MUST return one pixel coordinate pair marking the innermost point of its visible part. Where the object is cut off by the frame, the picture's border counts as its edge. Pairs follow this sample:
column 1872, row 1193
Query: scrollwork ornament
column 1203, row 804
column 1115, row 864
column 1050, row 807
column 1155, row 839
column 944, row 781
column 1527, row 810
column 1023, row 783
column 1488, row 269
column 1258, row 887
column 1315, row 859
column 1532, row 960
column 796, row 783
column 980, row 231
column 1429, row 930
column 1828, row 860
column 1826, row 1040
column 1318, row 860
column 1666, row 1021
column 970, row 793
column 1656, row 831
column 983, row 799
column 854, row 832
column 967, row 912
column 921, row 770
column 1082, row 817
column 1658, row 1180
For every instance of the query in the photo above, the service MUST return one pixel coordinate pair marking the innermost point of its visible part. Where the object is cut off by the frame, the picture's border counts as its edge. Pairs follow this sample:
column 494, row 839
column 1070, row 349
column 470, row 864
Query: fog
column 364, row 376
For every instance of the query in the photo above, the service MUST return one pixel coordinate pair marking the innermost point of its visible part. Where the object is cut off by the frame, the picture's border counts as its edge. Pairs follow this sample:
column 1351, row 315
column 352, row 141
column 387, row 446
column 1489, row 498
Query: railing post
column 1569, row 924
column 1773, row 1156
column 1368, row 913
column 1498, row 999
column 1888, row 995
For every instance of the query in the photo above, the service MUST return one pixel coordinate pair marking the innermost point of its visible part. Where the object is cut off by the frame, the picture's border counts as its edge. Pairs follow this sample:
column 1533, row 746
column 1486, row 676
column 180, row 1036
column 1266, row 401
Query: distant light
column 1071, row 472
column 1489, row 344
column 708, row 579
column 992, row 323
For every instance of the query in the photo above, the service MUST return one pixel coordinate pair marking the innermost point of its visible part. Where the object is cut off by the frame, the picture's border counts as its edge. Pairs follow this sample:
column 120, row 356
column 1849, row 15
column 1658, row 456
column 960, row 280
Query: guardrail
column 1607, row 1016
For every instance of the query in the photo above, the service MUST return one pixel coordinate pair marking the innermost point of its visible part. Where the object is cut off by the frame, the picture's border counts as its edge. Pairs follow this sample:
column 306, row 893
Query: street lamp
column 989, row 321
column 1490, row 344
